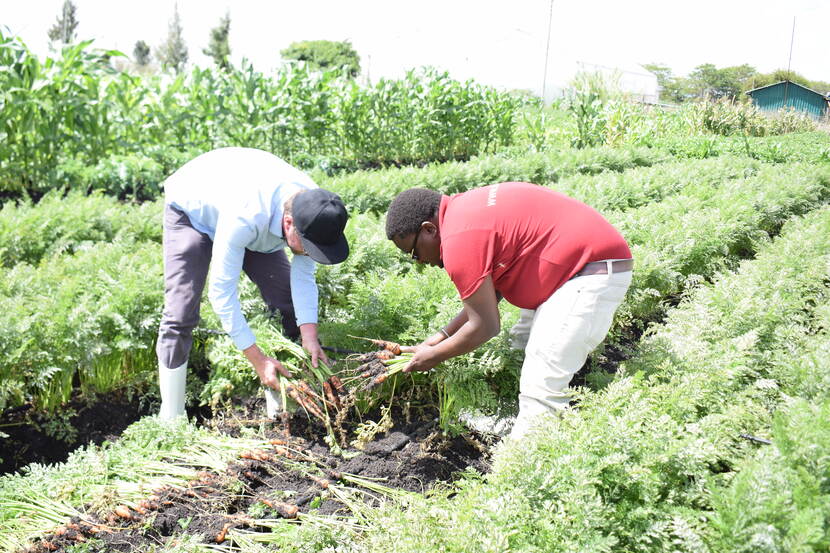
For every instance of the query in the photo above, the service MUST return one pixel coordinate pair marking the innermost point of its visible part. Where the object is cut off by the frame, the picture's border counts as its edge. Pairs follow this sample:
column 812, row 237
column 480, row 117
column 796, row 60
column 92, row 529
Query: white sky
column 500, row 42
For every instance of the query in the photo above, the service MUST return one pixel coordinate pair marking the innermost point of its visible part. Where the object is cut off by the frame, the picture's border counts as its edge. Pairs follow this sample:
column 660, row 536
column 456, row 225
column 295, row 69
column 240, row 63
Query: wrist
column 253, row 354
column 308, row 331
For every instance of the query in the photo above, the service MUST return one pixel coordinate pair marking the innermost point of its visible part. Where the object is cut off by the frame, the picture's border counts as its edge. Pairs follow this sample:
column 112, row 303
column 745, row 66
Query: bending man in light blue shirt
column 237, row 208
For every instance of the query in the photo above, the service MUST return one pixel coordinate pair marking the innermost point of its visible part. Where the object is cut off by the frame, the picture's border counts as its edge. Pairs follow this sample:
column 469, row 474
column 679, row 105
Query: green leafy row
column 373, row 191
column 66, row 223
column 807, row 146
column 656, row 460
column 92, row 316
column 689, row 236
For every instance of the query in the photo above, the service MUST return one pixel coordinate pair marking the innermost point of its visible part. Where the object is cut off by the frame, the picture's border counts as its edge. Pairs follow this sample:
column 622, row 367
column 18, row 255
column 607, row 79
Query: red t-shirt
column 530, row 239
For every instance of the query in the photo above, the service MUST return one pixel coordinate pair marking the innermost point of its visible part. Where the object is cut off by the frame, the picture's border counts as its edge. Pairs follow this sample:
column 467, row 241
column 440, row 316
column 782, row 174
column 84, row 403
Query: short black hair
column 409, row 209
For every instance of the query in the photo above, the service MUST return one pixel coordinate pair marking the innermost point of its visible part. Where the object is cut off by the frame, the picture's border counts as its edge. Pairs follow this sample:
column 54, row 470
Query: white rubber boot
column 171, row 385
column 273, row 403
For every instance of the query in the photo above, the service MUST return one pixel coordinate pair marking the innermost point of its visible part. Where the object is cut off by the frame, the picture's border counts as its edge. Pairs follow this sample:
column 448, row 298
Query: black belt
column 601, row 267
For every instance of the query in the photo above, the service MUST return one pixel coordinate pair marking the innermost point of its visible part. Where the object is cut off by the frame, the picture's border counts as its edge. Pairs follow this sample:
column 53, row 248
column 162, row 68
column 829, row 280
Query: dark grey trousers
column 187, row 254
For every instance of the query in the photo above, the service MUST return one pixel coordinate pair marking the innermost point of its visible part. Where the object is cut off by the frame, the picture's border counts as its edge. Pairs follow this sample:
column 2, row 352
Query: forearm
column 452, row 327
column 467, row 338
column 254, row 355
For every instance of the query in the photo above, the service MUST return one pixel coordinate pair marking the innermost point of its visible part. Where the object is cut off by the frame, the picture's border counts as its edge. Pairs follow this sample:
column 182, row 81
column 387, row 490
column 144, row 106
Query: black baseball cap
column 320, row 218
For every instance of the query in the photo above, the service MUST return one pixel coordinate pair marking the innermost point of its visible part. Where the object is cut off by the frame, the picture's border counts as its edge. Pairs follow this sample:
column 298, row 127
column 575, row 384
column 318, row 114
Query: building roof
column 825, row 96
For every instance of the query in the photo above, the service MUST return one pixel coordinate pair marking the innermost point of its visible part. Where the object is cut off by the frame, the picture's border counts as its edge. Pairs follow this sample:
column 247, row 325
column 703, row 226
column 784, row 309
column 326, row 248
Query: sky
column 526, row 44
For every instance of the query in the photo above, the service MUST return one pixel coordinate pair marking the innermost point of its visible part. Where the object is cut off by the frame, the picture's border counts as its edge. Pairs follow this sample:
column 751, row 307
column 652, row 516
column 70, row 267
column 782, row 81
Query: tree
column 672, row 89
column 708, row 80
column 63, row 30
column 325, row 54
column 218, row 47
column 173, row 52
column 141, row 53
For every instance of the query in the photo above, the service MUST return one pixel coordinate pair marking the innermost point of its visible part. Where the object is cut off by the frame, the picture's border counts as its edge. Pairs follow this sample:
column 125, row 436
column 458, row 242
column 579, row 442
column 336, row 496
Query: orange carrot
column 378, row 380
column 220, row 537
column 123, row 511
column 322, row 482
column 307, row 404
column 332, row 398
column 337, row 384
column 286, row 510
column 303, row 387
column 282, row 451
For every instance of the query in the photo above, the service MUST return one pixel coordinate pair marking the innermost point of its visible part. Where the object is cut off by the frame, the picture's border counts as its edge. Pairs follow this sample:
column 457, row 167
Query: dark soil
column 35, row 437
column 297, row 474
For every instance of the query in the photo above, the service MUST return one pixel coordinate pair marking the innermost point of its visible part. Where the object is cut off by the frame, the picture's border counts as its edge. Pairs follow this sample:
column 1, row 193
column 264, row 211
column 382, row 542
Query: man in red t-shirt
column 555, row 257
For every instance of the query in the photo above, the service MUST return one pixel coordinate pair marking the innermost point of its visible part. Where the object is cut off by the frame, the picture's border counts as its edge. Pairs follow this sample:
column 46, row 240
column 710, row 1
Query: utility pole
column 789, row 62
column 547, row 53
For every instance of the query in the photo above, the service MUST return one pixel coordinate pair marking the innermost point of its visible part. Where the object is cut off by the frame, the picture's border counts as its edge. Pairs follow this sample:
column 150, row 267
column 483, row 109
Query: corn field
column 76, row 109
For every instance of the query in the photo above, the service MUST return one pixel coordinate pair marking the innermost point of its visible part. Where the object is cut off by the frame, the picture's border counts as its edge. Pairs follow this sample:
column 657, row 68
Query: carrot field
column 700, row 425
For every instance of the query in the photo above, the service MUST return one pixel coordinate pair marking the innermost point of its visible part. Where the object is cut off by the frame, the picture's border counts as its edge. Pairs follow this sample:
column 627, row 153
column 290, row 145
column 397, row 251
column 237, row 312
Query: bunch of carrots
column 378, row 366
column 315, row 404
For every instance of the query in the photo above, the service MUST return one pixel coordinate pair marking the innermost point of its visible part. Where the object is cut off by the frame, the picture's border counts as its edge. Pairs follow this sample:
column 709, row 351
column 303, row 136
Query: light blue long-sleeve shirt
column 236, row 196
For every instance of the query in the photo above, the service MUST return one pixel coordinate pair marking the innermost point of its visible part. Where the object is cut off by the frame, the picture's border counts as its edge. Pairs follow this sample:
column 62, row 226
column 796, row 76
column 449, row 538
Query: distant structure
column 633, row 79
column 787, row 94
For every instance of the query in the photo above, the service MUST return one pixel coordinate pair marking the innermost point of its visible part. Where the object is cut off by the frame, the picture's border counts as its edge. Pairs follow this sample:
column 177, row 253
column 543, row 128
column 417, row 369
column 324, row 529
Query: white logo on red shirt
column 491, row 196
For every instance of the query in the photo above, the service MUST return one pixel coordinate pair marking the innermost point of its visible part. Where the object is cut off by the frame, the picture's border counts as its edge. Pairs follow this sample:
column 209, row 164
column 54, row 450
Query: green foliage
column 61, row 224
column 325, row 55
column 373, row 191
column 92, row 316
column 63, row 30
column 128, row 176
column 779, row 500
column 74, row 111
column 728, row 118
column 141, row 53
column 172, row 54
column 587, row 99
column 690, row 236
column 707, row 81
column 218, row 47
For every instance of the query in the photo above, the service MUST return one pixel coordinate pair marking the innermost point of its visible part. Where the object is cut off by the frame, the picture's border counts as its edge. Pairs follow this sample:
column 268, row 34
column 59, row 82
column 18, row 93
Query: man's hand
column 311, row 344
column 477, row 323
column 422, row 360
column 265, row 367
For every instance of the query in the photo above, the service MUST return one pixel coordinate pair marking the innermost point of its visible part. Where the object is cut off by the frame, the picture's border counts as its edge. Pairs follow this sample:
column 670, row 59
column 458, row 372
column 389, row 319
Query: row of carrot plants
column 50, row 232
column 678, row 242
column 805, row 146
column 655, row 460
column 374, row 305
column 713, row 438
column 64, row 223
column 373, row 191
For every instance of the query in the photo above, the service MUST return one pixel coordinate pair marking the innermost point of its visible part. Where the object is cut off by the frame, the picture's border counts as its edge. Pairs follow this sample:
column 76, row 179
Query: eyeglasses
column 413, row 253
